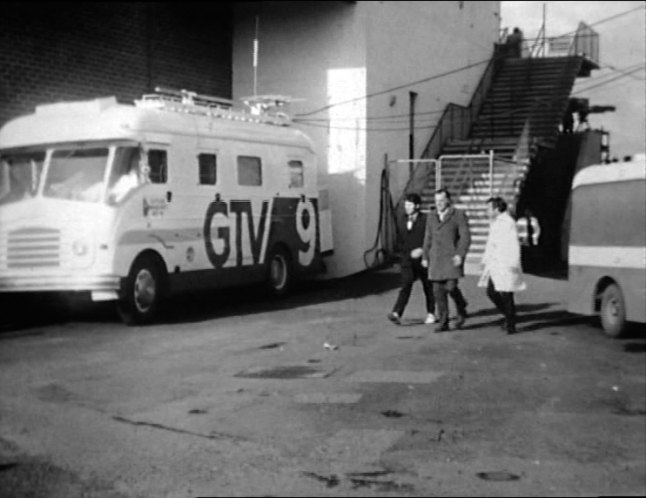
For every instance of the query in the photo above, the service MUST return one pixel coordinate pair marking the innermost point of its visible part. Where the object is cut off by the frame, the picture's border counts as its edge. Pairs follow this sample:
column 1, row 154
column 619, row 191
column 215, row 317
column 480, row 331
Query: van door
column 251, row 208
column 157, row 197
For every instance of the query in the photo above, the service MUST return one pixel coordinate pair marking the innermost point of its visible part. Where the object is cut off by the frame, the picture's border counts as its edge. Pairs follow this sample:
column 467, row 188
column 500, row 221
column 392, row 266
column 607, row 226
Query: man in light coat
column 446, row 242
column 502, row 273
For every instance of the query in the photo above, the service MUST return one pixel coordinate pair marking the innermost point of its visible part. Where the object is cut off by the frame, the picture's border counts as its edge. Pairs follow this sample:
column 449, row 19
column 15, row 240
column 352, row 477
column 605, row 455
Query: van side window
column 249, row 171
column 208, row 169
column 295, row 174
column 158, row 166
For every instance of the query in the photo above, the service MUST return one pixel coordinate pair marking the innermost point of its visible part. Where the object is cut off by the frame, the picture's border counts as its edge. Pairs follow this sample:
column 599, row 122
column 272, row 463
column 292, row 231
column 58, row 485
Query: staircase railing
column 455, row 123
column 464, row 180
column 584, row 41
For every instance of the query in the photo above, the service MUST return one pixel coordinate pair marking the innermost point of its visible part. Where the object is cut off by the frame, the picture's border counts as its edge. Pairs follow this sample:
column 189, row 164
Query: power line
column 448, row 73
column 518, row 110
column 375, row 118
column 399, row 87
column 611, row 18
column 585, row 89
column 612, row 68
column 300, row 118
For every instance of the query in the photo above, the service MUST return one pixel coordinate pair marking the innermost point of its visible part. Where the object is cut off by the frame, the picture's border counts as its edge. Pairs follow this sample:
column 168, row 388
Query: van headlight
column 79, row 247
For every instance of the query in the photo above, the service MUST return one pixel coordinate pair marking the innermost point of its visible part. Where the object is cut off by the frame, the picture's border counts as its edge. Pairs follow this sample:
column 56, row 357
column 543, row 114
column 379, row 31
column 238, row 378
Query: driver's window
column 126, row 173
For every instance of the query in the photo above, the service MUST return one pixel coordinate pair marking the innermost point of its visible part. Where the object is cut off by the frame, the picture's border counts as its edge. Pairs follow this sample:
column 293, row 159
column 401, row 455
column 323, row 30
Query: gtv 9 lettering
column 225, row 231
column 306, row 229
column 218, row 248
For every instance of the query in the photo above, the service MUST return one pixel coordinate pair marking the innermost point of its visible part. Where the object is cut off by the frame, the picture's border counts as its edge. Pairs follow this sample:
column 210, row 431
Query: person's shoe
column 459, row 321
column 395, row 318
column 442, row 327
column 430, row 318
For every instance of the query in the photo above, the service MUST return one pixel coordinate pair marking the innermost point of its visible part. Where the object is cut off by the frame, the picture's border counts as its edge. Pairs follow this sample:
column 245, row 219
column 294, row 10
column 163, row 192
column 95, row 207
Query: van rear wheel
column 142, row 293
column 613, row 311
column 279, row 272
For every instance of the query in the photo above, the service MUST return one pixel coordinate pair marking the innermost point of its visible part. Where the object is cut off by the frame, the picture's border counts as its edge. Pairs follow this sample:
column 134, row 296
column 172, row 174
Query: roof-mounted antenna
column 267, row 104
column 193, row 98
column 255, row 59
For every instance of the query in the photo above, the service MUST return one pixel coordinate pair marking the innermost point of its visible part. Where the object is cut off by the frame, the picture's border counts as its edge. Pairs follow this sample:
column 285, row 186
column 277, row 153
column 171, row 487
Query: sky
column 622, row 50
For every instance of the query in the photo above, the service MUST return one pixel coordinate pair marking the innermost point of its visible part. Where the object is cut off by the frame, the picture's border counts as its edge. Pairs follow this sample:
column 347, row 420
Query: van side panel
column 609, row 214
column 295, row 224
column 607, row 244
column 584, row 283
column 237, row 250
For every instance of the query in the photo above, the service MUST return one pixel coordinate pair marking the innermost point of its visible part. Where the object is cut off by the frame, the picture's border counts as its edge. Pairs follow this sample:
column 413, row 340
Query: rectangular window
column 208, row 169
column 295, row 174
column 249, row 171
column 158, row 166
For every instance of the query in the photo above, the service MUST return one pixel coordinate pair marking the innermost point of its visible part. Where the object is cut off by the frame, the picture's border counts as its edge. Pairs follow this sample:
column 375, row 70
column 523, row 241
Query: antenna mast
column 255, row 60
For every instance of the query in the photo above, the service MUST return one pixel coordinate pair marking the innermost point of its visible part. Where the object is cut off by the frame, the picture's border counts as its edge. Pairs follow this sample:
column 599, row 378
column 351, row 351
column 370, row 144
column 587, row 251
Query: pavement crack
column 212, row 435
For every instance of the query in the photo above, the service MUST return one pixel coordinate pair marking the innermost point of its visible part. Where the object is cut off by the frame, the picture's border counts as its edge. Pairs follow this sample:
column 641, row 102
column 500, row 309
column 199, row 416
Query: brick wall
column 54, row 52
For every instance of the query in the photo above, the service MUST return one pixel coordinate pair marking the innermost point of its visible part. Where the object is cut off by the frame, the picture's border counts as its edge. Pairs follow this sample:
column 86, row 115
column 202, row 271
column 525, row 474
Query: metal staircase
column 521, row 111
column 514, row 112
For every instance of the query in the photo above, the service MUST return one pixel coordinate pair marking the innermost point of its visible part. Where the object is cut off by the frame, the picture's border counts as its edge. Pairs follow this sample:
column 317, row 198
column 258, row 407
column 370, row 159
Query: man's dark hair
column 498, row 204
column 414, row 198
column 443, row 191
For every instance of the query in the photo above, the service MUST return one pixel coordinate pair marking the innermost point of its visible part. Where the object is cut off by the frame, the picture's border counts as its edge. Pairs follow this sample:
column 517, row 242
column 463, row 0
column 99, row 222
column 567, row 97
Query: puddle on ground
column 381, row 486
column 498, row 475
column 364, row 480
column 55, row 393
column 330, row 481
column 374, row 473
column 286, row 372
column 629, row 411
column 273, row 345
column 392, row 414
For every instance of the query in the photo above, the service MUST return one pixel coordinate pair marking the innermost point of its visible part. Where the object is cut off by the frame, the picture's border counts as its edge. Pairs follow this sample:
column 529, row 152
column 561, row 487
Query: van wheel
column 143, row 290
column 613, row 311
column 279, row 272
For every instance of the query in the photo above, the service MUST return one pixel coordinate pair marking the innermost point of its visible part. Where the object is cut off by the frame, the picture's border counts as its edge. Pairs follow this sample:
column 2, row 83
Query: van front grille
column 33, row 247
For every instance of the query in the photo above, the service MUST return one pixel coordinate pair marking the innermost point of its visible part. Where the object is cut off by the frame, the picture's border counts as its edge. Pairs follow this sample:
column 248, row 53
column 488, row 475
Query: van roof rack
column 190, row 102
column 260, row 104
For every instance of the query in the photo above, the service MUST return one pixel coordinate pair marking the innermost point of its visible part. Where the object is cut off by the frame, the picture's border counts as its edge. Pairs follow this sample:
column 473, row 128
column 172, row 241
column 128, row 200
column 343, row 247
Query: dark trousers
column 410, row 273
column 504, row 302
column 442, row 289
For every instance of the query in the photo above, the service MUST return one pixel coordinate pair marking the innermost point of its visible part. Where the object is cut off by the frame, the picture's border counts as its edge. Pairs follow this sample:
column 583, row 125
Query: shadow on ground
column 21, row 312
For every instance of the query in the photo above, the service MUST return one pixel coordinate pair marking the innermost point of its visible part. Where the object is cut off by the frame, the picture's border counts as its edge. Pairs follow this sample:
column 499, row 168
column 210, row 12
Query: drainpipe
column 412, row 96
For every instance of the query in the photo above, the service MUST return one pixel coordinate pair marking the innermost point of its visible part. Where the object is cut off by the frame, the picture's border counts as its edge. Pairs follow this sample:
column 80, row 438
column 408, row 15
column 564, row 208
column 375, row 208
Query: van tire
column 279, row 272
column 142, row 292
column 613, row 311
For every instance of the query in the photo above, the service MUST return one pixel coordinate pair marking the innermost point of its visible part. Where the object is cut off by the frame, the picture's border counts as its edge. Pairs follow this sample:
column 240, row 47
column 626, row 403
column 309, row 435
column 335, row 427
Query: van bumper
column 60, row 283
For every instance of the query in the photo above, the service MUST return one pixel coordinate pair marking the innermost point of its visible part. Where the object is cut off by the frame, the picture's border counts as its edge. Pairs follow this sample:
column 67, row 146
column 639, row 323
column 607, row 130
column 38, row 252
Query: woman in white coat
column 502, row 274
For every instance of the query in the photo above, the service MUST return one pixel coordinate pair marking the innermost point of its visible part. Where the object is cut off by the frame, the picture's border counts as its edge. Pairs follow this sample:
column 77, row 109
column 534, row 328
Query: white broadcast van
column 178, row 192
column 607, row 248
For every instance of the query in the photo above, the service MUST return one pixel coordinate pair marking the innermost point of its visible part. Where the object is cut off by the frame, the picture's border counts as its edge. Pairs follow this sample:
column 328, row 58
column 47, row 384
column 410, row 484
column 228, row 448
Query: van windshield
column 73, row 173
column 77, row 174
column 19, row 175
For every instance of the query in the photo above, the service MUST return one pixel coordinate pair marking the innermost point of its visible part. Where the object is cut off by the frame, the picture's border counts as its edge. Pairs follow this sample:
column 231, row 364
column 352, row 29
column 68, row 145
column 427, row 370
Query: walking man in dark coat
column 410, row 236
column 446, row 243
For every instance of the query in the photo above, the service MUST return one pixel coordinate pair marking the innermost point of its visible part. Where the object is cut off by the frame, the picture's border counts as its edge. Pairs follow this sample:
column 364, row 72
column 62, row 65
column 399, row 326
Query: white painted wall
column 334, row 52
